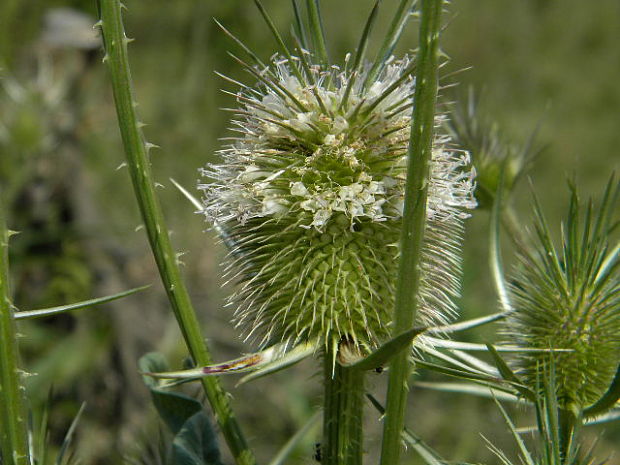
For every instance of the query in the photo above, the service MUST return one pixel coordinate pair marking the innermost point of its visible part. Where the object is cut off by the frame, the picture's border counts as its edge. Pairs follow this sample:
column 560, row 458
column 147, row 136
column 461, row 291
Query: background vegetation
column 538, row 63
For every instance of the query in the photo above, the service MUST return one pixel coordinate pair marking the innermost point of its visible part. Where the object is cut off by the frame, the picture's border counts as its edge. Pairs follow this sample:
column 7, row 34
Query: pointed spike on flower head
column 561, row 303
column 309, row 198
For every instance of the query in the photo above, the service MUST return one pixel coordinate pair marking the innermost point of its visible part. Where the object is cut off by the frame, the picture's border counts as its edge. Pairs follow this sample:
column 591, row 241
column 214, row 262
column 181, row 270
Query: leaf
column 297, row 354
column 607, row 400
column 467, row 388
column 509, row 375
column 76, row 306
column 468, row 324
column 388, row 350
column 64, row 454
column 613, row 415
column 524, row 452
column 249, row 362
column 195, row 443
column 283, row 454
column 174, row 408
column 471, row 346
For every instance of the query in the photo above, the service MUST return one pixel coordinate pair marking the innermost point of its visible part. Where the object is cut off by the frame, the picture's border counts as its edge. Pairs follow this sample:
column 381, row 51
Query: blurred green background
column 552, row 64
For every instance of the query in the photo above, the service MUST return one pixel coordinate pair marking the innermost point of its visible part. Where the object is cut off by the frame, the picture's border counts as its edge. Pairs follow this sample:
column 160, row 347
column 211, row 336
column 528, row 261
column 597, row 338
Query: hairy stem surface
column 13, row 425
column 343, row 414
column 136, row 151
column 414, row 220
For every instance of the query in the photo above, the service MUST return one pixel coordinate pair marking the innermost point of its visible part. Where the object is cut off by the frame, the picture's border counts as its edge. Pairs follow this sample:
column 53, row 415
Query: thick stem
column 13, row 425
column 343, row 414
column 138, row 163
column 414, row 221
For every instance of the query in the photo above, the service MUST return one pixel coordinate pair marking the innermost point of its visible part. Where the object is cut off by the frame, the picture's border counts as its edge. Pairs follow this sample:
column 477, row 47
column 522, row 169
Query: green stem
column 343, row 414
column 136, row 150
column 414, row 221
column 13, row 425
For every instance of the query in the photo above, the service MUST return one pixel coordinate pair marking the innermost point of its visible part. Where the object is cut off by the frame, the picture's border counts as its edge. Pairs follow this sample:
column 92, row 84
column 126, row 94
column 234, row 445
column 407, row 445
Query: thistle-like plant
column 309, row 199
column 568, row 299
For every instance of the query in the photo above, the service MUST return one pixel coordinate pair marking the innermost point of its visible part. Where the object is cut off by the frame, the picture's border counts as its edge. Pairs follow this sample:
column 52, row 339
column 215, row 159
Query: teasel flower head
column 309, row 198
column 567, row 301
column 493, row 156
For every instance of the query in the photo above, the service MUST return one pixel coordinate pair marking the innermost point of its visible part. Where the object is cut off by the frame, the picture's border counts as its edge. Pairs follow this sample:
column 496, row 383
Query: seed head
column 309, row 197
column 569, row 300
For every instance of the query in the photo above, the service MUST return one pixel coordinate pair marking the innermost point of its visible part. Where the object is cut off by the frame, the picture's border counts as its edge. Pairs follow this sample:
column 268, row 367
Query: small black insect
column 317, row 451
column 379, row 370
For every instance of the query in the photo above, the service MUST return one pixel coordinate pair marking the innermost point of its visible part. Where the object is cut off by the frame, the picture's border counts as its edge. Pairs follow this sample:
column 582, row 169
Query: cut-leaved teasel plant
column 311, row 199
column 567, row 298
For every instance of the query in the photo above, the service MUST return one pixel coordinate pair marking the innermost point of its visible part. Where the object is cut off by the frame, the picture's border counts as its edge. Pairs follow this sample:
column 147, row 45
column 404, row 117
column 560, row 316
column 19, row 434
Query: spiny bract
column 309, row 198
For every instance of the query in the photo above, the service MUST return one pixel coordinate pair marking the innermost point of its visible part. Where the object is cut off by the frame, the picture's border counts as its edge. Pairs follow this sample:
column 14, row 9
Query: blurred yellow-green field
column 550, row 66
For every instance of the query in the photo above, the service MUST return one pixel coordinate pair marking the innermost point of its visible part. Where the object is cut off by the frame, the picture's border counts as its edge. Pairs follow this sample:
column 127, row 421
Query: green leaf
column 297, row 354
column 195, row 443
column 613, row 415
column 194, row 440
column 64, row 454
column 509, row 375
column 76, row 306
column 174, row 408
column 468, row 388
column 469, row 324
column 388, row 350
column 608, row 400
column 524, row 452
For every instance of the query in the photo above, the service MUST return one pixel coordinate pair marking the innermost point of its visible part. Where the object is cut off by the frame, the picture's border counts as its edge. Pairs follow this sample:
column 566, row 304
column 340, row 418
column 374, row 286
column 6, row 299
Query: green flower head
column 309, row 198
column 568, row 300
